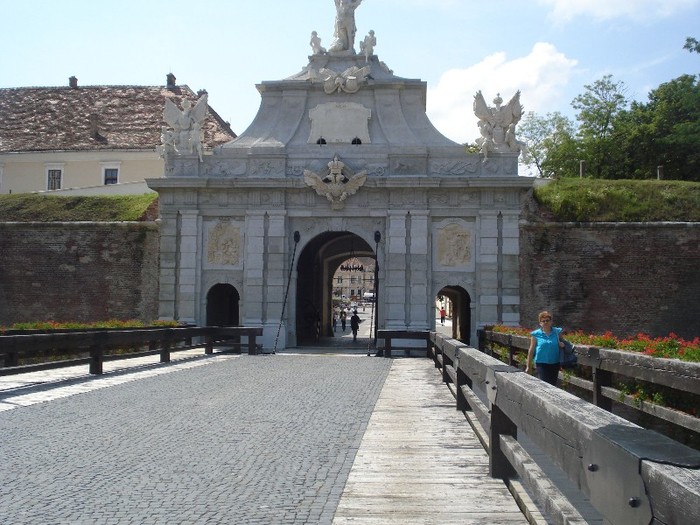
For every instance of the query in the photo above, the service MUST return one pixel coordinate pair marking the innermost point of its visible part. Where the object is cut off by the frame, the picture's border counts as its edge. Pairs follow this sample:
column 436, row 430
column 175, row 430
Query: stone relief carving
column 349, row 81
column 224, row 244
column 454, row 246
column 337, row 184
column 339, row 122
column 455, row 167
column 497, row 124
column 186, row 135
column 345, row 28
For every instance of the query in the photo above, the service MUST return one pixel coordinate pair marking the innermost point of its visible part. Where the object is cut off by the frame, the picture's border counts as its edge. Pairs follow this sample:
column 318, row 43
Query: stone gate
column 344, row 154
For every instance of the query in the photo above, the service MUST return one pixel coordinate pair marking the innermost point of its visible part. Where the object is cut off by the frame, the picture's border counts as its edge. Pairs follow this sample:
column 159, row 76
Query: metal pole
column 377, row 238
column 289, row 280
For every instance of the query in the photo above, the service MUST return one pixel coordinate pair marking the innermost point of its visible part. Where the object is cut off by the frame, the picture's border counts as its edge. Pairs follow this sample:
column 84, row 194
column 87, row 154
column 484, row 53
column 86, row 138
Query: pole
column 375, row 309
column 286, row 293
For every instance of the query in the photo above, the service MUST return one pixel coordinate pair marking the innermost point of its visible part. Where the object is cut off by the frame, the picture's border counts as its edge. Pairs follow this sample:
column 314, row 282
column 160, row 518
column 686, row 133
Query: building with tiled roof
column 55, row 138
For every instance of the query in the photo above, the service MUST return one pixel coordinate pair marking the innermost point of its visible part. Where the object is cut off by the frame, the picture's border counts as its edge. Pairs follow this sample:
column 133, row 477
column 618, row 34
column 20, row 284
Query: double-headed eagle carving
column 335, row 185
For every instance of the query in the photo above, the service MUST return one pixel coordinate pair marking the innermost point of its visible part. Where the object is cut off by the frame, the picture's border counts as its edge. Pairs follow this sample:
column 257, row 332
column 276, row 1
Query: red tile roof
column 94, row 118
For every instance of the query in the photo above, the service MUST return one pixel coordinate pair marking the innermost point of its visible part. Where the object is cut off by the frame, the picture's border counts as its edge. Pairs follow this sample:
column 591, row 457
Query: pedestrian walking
column 335, row 321
column 443, row 314
column 343, row 319
column 354, row 325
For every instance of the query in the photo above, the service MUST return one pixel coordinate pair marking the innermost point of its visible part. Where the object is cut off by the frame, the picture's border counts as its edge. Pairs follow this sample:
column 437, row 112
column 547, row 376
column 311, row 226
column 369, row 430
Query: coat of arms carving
column 337, row 184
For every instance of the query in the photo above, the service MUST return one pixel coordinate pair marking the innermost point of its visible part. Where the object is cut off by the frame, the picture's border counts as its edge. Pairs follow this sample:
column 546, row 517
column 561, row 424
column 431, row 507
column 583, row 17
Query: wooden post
column 208, row 344
column 499, row 466
column 601, row 378
column 251, row 344
column 387, row 347
column 96, row 355
column 462, row 380
column 165, row 351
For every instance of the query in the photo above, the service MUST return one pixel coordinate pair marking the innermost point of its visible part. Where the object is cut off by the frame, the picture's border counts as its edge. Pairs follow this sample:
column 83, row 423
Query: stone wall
column 78, row 271
column 623, row 277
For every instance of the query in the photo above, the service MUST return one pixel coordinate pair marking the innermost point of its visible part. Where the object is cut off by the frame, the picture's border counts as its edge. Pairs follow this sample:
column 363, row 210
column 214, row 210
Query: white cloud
column 540, row 76
column 566, row 10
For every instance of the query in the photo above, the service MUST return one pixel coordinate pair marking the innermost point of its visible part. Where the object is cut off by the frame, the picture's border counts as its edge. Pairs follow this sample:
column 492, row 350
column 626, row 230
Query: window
column 111, row 175
column 339, row 280
column 54, row 176
column 110, row 172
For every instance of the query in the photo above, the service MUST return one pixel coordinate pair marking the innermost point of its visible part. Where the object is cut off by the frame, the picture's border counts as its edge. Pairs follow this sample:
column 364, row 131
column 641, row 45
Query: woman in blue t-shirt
column 544, row 347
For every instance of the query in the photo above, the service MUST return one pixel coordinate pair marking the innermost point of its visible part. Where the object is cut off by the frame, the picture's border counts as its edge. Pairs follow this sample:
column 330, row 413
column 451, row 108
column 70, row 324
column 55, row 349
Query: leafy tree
column 551, row 144
column 692, row 45
column 598, row 108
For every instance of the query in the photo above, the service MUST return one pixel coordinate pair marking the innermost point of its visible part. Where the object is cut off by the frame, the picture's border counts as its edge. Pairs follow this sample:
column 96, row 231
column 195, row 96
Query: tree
column 598, row 108
column 692, row 45
column 550, row 143
column 665, row 131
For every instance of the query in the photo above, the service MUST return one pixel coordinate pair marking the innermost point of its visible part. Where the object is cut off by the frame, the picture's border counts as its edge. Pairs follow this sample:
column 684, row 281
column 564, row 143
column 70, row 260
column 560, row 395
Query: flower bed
column 669, row 347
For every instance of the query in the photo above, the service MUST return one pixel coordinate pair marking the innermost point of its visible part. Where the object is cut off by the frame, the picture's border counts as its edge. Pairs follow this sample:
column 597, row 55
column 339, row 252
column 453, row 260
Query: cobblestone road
column 244, row 440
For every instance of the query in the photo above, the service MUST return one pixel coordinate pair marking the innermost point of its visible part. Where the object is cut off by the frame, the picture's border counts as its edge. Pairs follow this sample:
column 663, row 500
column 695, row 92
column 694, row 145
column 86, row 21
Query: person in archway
column 443, row 314
column 335, row 321
column 354, row 325
column 545, row 343
column 343, row 319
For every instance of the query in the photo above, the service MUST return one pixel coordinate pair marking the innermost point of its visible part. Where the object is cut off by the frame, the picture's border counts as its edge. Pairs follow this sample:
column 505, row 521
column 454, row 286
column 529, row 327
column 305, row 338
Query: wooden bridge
column 470, row 439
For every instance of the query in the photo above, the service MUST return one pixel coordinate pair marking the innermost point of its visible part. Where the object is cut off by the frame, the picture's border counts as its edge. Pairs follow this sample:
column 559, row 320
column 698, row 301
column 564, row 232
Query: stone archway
column 223, row 305
column 316, row 265
column 461, row 312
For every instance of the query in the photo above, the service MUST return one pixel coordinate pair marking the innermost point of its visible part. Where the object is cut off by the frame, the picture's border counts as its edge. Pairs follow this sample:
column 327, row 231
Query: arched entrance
column 316, row 265
column 458, row 302
column 223, row 305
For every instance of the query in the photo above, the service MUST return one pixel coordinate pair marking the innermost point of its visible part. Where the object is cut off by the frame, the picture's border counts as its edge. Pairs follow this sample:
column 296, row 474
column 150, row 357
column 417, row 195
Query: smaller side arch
column 223, row 305
column 461, row 312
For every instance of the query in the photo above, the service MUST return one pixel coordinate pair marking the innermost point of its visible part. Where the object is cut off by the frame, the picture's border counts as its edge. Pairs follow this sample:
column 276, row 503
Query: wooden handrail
column 630, row 474
column 160, row 341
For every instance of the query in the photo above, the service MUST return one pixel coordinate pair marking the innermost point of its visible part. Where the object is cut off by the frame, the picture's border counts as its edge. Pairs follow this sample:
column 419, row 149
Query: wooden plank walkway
column 420, row 462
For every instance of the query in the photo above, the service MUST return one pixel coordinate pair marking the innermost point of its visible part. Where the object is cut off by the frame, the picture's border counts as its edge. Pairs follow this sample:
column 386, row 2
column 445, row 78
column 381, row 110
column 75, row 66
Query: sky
column 548, row 49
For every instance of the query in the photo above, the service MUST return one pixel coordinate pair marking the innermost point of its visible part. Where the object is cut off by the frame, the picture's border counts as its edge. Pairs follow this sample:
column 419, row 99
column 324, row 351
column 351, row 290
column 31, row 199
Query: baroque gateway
column 340, row 160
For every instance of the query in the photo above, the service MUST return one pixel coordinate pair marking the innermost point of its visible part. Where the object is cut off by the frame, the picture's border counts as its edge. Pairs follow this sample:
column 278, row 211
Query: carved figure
column 315, row 43
column 345, row 29
column 367, row 45
column 186, row 136
column 335, row 185
column 496, row 122
column 349, row 81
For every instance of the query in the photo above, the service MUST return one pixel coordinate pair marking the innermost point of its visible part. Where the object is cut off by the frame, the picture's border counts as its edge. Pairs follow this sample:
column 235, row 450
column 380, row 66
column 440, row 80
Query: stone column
column 418, row 279
column 187, row 275
column 394, row 287
column 253, row 270
column 168, row 265
column 276, row 271
column 487, row 268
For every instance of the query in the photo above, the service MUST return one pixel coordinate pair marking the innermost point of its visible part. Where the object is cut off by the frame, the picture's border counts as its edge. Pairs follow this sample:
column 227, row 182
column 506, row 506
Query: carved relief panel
column 223, row 244
column 454, row 245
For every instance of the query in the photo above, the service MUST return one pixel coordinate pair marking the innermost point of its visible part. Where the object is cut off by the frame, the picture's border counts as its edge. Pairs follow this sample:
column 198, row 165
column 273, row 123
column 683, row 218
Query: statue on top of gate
column 497, row 124
column 186, row 135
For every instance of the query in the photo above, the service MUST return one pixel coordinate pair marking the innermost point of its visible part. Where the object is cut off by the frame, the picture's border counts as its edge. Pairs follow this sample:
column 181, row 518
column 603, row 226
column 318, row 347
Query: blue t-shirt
column 547, row 349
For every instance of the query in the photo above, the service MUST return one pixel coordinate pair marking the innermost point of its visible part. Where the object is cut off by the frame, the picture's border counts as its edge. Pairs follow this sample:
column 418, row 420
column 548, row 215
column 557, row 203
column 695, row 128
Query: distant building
column 96, row 137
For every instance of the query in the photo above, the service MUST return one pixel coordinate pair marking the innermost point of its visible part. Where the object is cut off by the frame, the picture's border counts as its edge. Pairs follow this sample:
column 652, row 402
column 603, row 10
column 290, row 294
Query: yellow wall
column 27, row 172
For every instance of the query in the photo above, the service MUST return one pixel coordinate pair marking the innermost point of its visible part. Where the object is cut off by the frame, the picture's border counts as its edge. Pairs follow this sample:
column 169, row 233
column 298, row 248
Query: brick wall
column 623, row 277
column 78, row 271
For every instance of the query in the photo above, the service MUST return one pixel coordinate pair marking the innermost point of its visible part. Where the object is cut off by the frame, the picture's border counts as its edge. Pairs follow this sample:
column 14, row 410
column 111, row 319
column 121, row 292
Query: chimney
column 94, row 125
column 171, row 81
column 73, row 82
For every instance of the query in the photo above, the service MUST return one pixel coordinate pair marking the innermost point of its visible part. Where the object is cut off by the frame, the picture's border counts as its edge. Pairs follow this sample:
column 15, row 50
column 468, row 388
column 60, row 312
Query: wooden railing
column 605, row 365
column 630, row 474
column 95, row 346
column 391, row 336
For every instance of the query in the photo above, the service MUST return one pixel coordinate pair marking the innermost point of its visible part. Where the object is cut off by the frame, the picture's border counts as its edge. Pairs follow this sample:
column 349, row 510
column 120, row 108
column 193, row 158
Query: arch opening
column 456, row 302
column 319, row 292
column 223, row 305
